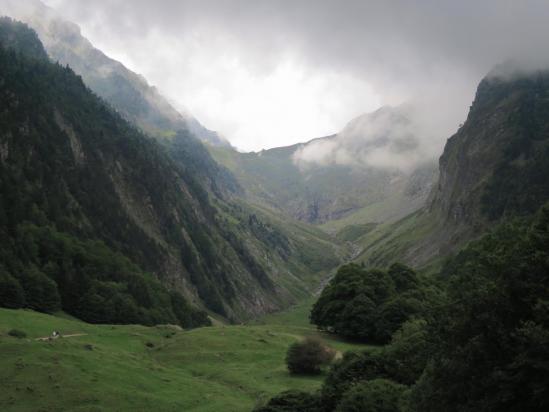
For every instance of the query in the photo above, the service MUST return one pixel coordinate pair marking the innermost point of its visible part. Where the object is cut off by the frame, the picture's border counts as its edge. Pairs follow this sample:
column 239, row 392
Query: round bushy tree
column 404, row 277
column 393, row 314
column 368, row 304
column 308, row 356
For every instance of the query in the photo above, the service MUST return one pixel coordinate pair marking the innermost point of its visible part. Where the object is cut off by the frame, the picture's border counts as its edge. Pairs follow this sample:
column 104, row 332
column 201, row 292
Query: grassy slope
column 412, row 240
column 387, row 210
column 319, row 253
column 228, row 368
column 271, row 178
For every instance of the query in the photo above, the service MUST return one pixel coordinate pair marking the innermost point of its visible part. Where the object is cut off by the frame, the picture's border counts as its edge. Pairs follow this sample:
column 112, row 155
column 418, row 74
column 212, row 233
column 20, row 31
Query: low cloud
column 268, row 73
column 391, row 138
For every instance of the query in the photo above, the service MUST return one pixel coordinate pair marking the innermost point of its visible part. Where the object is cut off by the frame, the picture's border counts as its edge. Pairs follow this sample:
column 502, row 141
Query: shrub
column 16, row 333
column 291, row 401
column 378, row 395
column 308, row 356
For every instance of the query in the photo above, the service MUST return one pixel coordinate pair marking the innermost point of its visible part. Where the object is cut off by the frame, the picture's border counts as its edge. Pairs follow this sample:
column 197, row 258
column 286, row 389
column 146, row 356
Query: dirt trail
column 61, row 336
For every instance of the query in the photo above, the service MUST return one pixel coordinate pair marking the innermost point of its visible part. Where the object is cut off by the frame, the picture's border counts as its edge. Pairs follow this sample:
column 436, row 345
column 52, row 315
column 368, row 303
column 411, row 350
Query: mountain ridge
column 492, row 169
column 70, row 162
column 129, row 92
column 324, row 190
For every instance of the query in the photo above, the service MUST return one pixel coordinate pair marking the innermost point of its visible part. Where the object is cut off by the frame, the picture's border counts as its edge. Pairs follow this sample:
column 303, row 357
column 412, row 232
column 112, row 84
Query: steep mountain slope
column 72, row 164
column 320, row 181
column 497, row 164
column 125, row 90
column 314, row 191
column 494, row 167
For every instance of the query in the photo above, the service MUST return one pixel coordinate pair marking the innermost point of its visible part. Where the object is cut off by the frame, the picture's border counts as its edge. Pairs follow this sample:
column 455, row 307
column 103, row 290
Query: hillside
column 338, row 195
column 111, row 367
column 74, row 169
column 493, row 168
column 318, row 182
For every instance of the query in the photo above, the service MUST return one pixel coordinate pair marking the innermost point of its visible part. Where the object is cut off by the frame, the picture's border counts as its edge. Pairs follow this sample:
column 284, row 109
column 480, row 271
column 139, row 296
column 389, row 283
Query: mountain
column 128, row 92
column 493, row 168
column 340, row 179
column 82, row 187
column 496, row 165
column 316, row 190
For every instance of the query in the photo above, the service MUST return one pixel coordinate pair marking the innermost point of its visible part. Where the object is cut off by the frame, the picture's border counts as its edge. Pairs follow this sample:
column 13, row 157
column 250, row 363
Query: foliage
column 88, row 280
column 11, row 293
column 16, row 333
column 308, row 356
column 408, row 353
column 41, row 292
column 368, row 304
column 401, row 362
column 491, row 341
column 353, row 368
column 377, row 395
column 292, row 401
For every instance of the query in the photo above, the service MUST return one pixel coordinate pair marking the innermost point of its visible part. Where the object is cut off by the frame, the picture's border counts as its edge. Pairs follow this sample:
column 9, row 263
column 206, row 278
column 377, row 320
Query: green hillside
column 106, row 368
column 72, row 168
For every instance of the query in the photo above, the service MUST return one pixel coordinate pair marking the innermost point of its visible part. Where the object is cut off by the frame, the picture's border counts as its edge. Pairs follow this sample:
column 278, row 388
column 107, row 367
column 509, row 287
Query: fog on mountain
column 394, row 260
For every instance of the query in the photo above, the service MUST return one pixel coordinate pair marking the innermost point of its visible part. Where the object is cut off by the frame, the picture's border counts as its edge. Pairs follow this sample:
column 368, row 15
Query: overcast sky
column 271, row 73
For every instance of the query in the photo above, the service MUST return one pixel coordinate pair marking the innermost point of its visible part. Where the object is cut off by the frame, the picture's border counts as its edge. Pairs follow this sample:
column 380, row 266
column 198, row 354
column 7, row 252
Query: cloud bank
column 390, row 138
column 269, row 73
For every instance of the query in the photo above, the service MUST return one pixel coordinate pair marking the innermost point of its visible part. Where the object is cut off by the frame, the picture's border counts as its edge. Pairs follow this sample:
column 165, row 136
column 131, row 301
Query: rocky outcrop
column 492, row 167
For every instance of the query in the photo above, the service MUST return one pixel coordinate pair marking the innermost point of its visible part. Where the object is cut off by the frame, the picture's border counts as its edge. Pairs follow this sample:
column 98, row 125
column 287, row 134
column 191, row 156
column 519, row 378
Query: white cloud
column 389, row 138
column 273, row 72
column 259, row 103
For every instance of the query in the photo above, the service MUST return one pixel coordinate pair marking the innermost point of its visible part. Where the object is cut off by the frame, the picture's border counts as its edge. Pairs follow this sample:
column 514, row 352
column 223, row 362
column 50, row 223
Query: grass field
column 114, row 368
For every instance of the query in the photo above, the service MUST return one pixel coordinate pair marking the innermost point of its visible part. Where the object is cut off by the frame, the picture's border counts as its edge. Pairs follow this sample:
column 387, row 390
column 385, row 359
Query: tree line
column 478, row 340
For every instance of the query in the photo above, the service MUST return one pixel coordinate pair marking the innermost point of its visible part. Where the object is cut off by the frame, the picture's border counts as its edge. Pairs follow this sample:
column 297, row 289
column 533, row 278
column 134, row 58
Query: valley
column 147, row 264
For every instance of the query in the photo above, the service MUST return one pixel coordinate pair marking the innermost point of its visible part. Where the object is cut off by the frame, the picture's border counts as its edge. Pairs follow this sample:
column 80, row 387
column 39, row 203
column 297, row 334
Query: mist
column 391, row 138
column 273, row 73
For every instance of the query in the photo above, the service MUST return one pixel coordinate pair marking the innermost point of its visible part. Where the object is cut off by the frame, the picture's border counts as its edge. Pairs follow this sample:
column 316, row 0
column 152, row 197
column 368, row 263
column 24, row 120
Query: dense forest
column 478, row 343
column 48, row 190
column 371, row 305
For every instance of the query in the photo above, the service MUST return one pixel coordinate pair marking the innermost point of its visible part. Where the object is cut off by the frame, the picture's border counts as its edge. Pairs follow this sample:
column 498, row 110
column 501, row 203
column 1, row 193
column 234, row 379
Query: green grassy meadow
column 220, row 368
